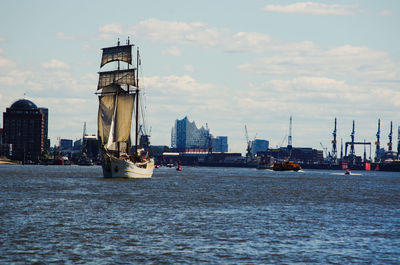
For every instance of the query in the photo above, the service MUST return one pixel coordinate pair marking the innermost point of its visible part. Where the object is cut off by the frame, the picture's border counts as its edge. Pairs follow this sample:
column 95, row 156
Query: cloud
column 63, row 36
column 314, row 9
column 3, row 39
column 188, row 68
column 195, row 34
column 55, row 64
column 386, row 13
column 109, row 31
column 175, row 32
column 173, row 51
column 6, row 63
column 345, row 61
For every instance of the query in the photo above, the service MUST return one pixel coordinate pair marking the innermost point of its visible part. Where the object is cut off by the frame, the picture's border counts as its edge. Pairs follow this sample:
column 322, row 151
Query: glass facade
column 186, row 135
column 220, row 144
column 259, row 145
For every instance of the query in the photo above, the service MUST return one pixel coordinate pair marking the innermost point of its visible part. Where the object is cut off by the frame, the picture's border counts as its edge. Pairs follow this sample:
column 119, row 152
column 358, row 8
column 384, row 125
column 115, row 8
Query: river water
column 71, row 214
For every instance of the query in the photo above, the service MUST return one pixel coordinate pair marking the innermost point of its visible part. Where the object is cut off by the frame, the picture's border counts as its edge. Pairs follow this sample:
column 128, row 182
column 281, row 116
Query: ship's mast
column 137, row 103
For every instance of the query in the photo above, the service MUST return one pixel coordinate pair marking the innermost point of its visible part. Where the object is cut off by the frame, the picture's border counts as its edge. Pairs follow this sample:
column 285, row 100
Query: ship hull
column 122, row 168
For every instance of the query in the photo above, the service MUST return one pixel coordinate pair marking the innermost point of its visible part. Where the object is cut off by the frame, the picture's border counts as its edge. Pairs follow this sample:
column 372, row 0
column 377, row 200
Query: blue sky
column 224, row 63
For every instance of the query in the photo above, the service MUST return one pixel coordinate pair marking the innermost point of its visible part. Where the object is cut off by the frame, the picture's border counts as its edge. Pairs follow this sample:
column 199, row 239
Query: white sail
column 115, row 118
column 123, row 117
column 117, row 77
column 105, row 117
column 117, row 53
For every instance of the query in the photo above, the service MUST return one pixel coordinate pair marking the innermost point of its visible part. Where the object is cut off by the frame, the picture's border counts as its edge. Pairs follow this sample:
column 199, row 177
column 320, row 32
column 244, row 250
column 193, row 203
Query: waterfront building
column 297, row 154
column 25, row 130
column 185, row 136
column 90, row 146
column 259, row 145
column 65, row 144
column 220, row 144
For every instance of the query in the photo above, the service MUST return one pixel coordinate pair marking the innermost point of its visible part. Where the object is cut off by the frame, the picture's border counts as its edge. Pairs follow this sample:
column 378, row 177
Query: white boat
column 119, row 94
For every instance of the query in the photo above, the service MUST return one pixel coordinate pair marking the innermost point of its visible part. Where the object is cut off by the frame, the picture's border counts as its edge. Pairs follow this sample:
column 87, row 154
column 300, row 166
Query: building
column 65, row 144
column 259, row 145
column 297, row 154
column 90, row 146
column 220, row 144
column 25, row 130
column 185, row 136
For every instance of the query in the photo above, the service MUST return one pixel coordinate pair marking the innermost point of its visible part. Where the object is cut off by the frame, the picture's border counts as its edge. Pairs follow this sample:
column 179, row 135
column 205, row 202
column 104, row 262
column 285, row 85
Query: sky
column 223, row 63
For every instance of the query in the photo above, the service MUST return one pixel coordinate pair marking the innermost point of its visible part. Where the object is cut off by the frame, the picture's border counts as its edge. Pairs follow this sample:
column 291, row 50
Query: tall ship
column 119, row 100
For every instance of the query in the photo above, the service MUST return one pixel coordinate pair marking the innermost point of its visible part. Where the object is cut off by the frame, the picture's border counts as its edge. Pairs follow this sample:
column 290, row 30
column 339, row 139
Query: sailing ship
column 119, row 99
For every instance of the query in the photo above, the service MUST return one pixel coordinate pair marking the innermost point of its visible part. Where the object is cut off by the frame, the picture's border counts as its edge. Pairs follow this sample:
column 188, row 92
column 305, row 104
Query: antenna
column 390, row 137
column 398, row 142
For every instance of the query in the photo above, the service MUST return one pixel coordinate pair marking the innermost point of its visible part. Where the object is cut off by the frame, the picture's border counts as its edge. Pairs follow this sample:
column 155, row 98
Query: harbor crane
column 390, row 137
column 377, row 143
column 334, row 148
column 325, row 150
column 209, row 140
column 248, row 149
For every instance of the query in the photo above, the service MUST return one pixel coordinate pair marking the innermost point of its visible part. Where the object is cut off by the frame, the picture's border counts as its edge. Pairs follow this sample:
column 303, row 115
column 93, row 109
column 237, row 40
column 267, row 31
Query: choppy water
column 70, row 214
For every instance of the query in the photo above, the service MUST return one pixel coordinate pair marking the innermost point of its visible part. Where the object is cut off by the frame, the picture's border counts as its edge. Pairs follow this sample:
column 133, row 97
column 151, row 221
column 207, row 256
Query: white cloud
column 188, row 68
column 345, row 61
column 175, row 32
column 110, row 31
column 63, row 36
column 314, row 9
column 3, row 39
column 55, row 64
column 173, row 51
column 6, row 63
column 195, row 33
column 386, row 13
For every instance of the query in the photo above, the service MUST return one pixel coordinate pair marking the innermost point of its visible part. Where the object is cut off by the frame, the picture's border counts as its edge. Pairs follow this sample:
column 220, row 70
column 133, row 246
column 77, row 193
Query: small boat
column 286, row 166
column 348, row 172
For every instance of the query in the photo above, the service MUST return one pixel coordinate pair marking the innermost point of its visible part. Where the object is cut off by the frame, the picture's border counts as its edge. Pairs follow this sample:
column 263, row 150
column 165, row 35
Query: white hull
column 122, row 168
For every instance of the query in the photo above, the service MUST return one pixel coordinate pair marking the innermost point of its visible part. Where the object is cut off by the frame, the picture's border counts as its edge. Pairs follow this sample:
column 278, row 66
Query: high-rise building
column 259, row 145
column 185, row 135
column 90, row 146
column 65, row 144
column 25, row 129
column 220, row 144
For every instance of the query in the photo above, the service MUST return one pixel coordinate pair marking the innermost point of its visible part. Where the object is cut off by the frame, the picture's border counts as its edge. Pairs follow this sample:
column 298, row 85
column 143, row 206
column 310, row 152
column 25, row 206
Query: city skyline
column 227, row 64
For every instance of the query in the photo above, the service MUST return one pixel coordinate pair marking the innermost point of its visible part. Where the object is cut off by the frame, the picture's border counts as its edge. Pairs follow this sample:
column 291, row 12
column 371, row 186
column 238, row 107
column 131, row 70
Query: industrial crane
column 325, row 150
column 390, row 137
column 377, row 143
column 334, row 148
column 248, row 149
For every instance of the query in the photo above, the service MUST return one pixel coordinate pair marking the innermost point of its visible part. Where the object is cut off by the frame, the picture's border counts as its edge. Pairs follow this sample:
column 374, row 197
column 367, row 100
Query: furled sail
column 115, row 118
column 118, row 53
column 117, row 77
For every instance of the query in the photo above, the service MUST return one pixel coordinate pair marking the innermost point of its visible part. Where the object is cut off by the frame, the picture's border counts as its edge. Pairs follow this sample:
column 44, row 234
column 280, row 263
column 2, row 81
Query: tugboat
column 286, row 166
